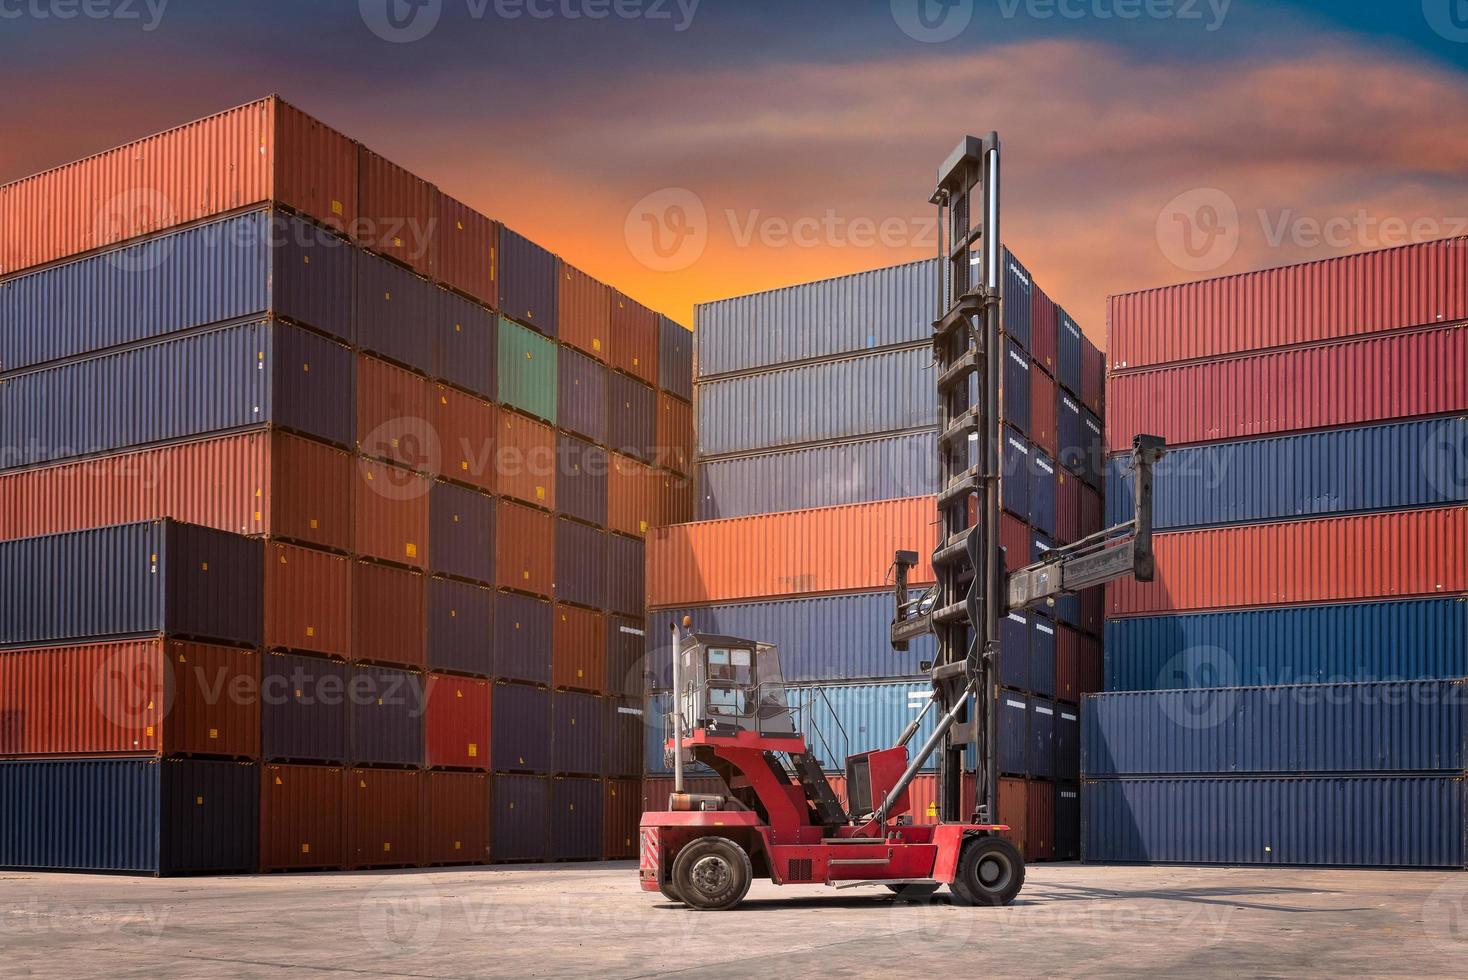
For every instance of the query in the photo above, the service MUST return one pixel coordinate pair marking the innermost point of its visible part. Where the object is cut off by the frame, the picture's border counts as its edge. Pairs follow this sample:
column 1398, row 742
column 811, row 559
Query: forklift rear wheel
column 712, row 873
column 991, row 871
column 913, row 892
column 669, row 892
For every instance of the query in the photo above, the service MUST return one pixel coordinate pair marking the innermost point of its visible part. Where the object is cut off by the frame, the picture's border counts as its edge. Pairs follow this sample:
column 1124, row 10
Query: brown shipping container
column 675, row 506
column 1389, row 289
column 620, row 819
column 308, row 601
column 1040, row 817
column 389, row 615
column 392, row 414
column 674, row 434
column 585, row 315
column 1042, row 413
column 525, row 460
column 579, row 649
column 1067, row 663
column 258, row 482
column 1014, row 811
column 456, row 818
column 383, row 810
column 259, row 152
column 634, row 495
column 830, row 549
column 398, row 213
column 634, row 345
column 301, row 818
column 391, row 511
column 1373, row 556
column 133, row 697
column 525, row 549
column 1014, row 538
column 464, row 251
column 1090, row 665
column 465, row 428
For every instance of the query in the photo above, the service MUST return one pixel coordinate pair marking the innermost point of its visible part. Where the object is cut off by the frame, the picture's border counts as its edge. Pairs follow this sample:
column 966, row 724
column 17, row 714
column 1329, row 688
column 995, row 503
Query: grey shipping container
column 522, row 638
column 153, row 578
column 386, row 716
column 460, row 627
column 466, row 349
column 577, row 733
column 1345, row 821
column 530, row 281
column 632, row 409
column 581, row 564
column 303, row 709
column 575, row 821
column 581, row 393
column 675, row 358
column 520, row 808
column 626, row 588
column 521, row 736
column 582, row 480
column 399, row 313
column 148, row 816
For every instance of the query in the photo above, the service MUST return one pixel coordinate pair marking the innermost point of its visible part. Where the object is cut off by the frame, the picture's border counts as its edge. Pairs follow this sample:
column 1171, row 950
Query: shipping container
column 1324, row 560
column 578, row 739
column 1015, row 388
column 263, row 151
column 1044, row 333
column 456, row 722
column 464, row 431
column 527, row 371
column 866, row 311
column 581, row 392
column 520, row 811
column 133, row 697
column 455, row 818
column 525, row 549
column 162, row 577
column 383, row 814
column 1093, row 377
column 626, row 642
column 813, row 402
column 392, row 413
column 385, row 716
column 1044, row 491
column 525, row 460
column 1373, row 292
column 626, row 562
column 303, row 709
column 301, row 824
column 632, row 417
column 530, row 281
column 581, row 564
column 621, row 815
column 675, row 359
column 523, row 629
column 1281, row 391
column 1040, row 821
column 1093, row 466
column 1068, row 489
column 464, row 251
column 1043, row 413
column 460, row 627
column 579, row 657
column 1345, row 821
column 1012, row 731
column 634, row 344
column 390, row 511
column 1341, row 471
column 1014, row 473
column 1067, row 663
column 461, row 533
column 1040, row 758
column 635, row 498
column 837, row 549
column 1014, row 538
column 1067, row 822
column 676, row 503
column 626, row 731
column 839, row 720
column 466, row 345
column 585, row 312
column 576, row 819
column 1071, row 433
column 521, row 737
column 398, row 313
column 581, row 480
column 1012, row 803
column 673, row 435
column 1015, row 631
column 1068, row 353
column 1067, row 742
column 308, row 600
column 1017, row 288
column 389, row 615
column 1042, row 655
column 145, row 816
column 398, row 212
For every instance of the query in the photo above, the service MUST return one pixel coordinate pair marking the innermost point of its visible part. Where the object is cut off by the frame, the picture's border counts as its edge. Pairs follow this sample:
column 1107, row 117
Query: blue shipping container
column 1068, row 357
column 581, row 564
column 1070, row 430
column 577, row 736
column 632, row 411
column 521, row 816
column 840, row 720
column 1012, row 729
column 1014, row 650
column 460, row 627
column 1018, row 288
column 1015, row 468
column 399, row 313
column 675, row 358
column 1041, row 755
column 1044, row 492
column 581, row 480
column 522, row 638
column 1067, row 743
column 466, row 349
column 530, row 282
column 1067, row 822
column 1016, row 394
column 1363, row 641
column 520, row 717
column 461, row 532
column 626, row 560
column 303, row 709
column 1346, row 821
column 1093, row 444
column 385, row 715
column 581, row 393
column 1042, row 655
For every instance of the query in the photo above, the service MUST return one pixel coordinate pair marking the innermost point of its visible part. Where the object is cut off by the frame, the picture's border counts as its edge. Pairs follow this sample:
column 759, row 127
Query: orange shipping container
column 465, row 251
column 585, row 314
column 634, row 346
column 831, row 549
column 579, row 649
column 391, row 510
column 392, row 413
column 674, row 434
column 456, row 818
column 1014, row 811
column 300, row 818
column 398, row 212
column 621, row 815
column 525, row 549
column 525, row 460
column 308, row 601
column 465, row 427
column 389, row 615
column 260, row 152
column 634, row 495
column 383, row 810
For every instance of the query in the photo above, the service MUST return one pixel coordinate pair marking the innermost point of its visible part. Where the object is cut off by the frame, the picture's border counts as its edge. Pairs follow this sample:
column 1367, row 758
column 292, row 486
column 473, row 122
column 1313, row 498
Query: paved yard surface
column 569, row 920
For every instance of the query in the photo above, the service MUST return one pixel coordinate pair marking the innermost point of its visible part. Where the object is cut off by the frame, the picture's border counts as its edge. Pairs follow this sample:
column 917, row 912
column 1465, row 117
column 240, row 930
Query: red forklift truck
column 779, row 817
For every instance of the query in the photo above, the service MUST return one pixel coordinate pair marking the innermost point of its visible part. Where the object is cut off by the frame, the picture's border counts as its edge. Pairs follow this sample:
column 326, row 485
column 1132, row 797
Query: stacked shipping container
column 414, row 408
column 1293, row 670
column 817, row 460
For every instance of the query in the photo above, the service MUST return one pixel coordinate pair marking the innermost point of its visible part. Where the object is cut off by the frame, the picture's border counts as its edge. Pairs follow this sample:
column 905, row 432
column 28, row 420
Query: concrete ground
column 591, row 919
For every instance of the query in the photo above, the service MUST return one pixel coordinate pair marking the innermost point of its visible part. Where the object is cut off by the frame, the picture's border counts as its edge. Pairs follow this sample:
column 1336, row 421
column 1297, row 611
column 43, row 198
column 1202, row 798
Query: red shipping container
column 308, row 601
column 525, row 549
column 389, row 615
column 674, row 449
column 1042, row 413
column 1067, row 663
column 1090, row 666
column 133, row 697
column 391, row 510
column 1068, row 488
column 585, row 314
column 1044, row 333
column 258, row 482
column 634, row 344
column 383, row 811
column 301, row 818
column 579, row 649
column 1013, row 805
column 1373, row 556
column 464, row 251
column 1389, row 289
column 634, row 493
column 260, row 152
column 456, row 818
column 393, row 414
column 830, row 549
column 398, row 213
column 525, row 460
column 620, row 818
column 1040, row 817
column 1014, row 538
column 1342, row 383
column 465, row 428
column 456, row 722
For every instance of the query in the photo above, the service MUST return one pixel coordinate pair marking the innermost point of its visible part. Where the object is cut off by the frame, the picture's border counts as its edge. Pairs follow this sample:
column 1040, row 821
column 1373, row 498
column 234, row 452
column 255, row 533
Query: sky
column 690, row 150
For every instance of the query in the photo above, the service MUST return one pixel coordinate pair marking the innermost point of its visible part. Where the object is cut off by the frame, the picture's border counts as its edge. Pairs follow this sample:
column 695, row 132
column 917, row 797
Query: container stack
column 817, row 460
column 1289, row 689
column 443, row 447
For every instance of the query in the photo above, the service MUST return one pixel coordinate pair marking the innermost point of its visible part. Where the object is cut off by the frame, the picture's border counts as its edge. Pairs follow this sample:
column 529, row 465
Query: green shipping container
column 527, row 369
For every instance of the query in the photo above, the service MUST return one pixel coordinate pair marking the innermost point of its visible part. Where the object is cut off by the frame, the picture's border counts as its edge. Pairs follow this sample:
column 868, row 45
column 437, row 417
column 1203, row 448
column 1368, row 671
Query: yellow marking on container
column 336, row 207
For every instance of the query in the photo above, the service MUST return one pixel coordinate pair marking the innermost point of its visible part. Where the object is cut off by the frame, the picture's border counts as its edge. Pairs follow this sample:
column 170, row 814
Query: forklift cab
column 732, row 686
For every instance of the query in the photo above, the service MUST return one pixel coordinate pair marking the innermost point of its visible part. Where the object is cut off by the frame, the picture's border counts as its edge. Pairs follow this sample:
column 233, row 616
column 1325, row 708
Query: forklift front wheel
column 991, row 871
column 712, row 873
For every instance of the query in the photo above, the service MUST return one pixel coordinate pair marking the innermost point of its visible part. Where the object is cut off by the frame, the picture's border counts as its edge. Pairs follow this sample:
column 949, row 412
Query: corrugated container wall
column 582, row 395
column 520, row 812
column 383, row 810
column 308, row 600
column 634, row 338
column 398, row 312
column 527, row 368
column 386, row 716
column 466, row 348
column 455, row 818
column 398, row 212
column 579, row 657
column 575, row 827
column 521, row 740
column 585, row 312
column 626, row 558
column 861, row 717
column 525, row 550
column 461, row 532
column 466, row 243
column 522, row 638
column 465, row 427
column 301, row 818
column 461, row 627
column 675, row 358
column 581, row 564
column 581, row 480
column 389, row 615
column 303, row 713
column 530, row 282
column 632, row 412
column 577, row 739
column 674, row 439
column 390, row 512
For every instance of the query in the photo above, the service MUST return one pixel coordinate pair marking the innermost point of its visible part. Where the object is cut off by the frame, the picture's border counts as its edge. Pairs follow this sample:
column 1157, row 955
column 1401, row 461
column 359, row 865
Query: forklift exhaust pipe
column 931, row 745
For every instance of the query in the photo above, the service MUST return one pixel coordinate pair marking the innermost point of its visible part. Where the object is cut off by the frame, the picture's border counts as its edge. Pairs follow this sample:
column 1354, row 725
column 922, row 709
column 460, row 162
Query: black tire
column 669, row 892
column 913, row 892
column 711, row 874
column 991, row 872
